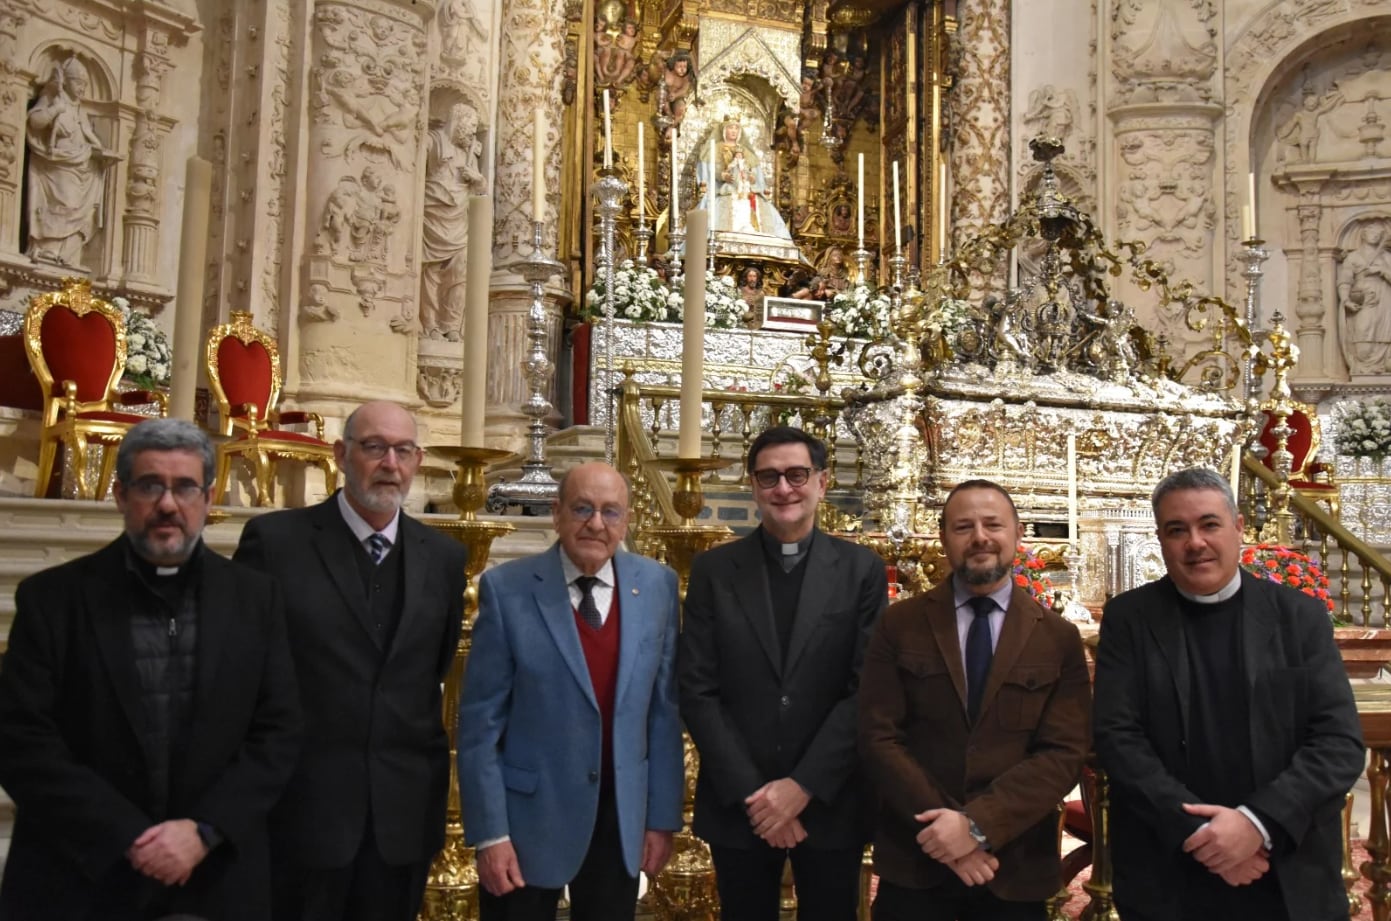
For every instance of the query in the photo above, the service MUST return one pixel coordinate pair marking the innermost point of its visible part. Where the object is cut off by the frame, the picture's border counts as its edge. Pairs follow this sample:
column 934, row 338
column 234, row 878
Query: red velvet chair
column 77, row 348
column 244, row 374
column 1307, row 475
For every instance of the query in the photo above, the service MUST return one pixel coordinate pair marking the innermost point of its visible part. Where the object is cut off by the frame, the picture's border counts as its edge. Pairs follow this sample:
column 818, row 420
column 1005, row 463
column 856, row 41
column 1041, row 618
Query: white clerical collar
column 1222, row 594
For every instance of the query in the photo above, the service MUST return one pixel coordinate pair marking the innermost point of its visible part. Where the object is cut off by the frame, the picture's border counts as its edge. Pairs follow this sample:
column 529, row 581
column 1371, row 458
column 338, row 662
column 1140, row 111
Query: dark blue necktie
column 978, row 653
column 377, row 546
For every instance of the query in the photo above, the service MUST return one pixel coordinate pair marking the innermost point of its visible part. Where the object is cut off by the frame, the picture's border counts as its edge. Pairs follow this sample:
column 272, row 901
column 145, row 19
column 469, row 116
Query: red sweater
column 601, row 655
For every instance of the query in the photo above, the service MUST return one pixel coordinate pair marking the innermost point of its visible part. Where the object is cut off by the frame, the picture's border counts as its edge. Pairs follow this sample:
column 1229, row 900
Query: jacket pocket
column 1023, row 695
column 520, row 780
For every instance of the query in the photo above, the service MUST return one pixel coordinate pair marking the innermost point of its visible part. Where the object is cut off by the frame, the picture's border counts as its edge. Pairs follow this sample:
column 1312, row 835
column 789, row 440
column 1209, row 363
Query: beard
column 383, row 498
column 982, row 575
column 173, row 551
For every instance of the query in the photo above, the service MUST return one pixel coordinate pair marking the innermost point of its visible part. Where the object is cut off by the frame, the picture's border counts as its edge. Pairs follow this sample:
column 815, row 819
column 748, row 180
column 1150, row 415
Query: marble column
column 980, row 117
column 14, row 90
column 353, row 328
column 531, row 55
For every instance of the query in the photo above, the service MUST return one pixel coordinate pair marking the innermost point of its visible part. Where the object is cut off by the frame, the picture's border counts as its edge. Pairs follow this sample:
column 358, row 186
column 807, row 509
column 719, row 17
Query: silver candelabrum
column 537, row 488
column 1253, row 254
column 608, row 201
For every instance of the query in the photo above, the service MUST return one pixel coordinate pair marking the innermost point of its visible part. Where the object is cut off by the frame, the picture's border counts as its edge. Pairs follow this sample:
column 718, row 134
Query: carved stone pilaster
column 980, row 118
column 366, row 116
column 140, row 244
column 438, row 377
column 531, row 54
column 13, row 93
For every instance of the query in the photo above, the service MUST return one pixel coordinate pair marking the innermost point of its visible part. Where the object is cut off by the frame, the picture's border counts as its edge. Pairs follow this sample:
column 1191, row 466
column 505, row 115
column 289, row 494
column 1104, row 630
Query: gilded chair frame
column 62, row 414
column 252, row 435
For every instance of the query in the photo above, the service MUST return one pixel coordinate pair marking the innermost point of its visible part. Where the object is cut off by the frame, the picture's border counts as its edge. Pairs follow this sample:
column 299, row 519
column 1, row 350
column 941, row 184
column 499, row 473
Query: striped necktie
column 377, row 546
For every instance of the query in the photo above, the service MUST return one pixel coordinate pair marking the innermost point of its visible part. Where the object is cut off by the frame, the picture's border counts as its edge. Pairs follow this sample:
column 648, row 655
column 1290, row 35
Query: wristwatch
column 977, row 835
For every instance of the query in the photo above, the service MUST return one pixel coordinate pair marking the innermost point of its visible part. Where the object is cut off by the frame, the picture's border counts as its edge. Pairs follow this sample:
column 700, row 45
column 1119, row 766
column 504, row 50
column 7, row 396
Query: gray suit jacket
column 1306, row 742
column 755, row 717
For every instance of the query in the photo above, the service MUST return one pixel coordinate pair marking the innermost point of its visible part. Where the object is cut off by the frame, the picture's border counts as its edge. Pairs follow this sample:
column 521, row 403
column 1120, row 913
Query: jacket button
column 786, row 701
column 593, row 776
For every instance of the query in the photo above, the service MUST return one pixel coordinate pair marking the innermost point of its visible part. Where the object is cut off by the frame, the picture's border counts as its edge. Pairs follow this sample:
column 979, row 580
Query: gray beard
column 989, row 576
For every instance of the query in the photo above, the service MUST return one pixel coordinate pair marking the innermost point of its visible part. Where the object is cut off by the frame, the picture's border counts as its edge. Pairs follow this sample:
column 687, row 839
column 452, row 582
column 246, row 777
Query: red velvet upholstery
column 271, row 436
column 245, row 371
column 79, row 349
column 1302, row 443
column 19, row 387
column 105, row 415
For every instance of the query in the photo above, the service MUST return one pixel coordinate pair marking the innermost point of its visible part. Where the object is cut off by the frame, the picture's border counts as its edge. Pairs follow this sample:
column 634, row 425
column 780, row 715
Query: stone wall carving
column 980, row 119
column 1364, row 297
column 451, row 176
column 1164, row 51
column 465, row 43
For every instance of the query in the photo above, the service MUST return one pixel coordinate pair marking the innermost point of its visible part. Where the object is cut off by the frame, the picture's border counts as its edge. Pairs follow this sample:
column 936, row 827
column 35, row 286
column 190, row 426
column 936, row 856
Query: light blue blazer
column 530, row 736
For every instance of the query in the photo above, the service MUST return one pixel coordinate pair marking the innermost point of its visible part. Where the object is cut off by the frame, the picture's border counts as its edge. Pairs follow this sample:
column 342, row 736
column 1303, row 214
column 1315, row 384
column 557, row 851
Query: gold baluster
column 1350, row 874
column 1377, row 869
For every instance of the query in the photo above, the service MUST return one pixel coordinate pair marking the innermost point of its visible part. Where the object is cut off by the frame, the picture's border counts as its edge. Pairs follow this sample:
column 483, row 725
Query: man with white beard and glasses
column 374, row 602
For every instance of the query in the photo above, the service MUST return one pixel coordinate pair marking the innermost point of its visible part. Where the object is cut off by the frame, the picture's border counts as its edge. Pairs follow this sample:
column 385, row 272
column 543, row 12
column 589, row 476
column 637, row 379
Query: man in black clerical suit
column 148, row 712
column 1224, row 719
column 775, row 630
column 374, row 600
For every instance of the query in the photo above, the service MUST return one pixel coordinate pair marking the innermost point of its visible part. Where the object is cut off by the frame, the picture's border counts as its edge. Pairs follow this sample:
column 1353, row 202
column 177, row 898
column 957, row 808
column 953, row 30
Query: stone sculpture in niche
column 451, row 177
column 1364, row 294
column 67, row 169
column 1052, row 112
column 1300, row 132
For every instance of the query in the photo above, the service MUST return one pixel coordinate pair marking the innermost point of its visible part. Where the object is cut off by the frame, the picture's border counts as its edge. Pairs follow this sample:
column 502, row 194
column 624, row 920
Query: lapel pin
column 635, row 591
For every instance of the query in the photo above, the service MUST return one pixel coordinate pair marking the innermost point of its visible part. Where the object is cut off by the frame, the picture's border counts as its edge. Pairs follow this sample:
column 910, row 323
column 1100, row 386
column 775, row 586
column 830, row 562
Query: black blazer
column 374, row 733
column 71, row 720
column 1306, row 742
column 755, row 718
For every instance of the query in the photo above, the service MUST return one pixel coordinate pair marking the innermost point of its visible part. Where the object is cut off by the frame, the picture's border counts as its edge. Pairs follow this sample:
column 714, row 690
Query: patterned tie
column 978, row 653
column 589, row 610
column 377, row 546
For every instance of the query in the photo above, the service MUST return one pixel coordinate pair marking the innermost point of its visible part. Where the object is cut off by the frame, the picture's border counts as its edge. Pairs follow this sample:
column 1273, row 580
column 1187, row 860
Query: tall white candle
column 608, row 133
column 714, row 180
column 1072, row 488
column 642, row 169
column 538, row 167
column 898, row 225
column 944, row 210
column 480, row 253
column 674, row 208
column 860, row 201
column 1251, row 203
column 693, row 336
column 188, row 305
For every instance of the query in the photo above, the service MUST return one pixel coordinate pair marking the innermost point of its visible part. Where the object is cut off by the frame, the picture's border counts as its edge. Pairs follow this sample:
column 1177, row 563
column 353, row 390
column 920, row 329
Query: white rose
column 135, row 342
column 136, row 364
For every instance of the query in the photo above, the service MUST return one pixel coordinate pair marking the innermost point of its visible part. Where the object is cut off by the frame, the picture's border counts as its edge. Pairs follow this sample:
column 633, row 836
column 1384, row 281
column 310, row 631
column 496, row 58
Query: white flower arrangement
column 949, row 317
column 1364, row 429
column 639, row 294
column 149, row 360
column 859, row 313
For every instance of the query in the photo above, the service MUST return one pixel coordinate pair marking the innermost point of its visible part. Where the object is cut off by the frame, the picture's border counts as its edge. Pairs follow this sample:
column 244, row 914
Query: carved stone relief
column 1364, row 297
column 980, row 107
column 1165, row 191
column 1339, row 114
column 465, row 43
column 452, row 175
column 1163, row 50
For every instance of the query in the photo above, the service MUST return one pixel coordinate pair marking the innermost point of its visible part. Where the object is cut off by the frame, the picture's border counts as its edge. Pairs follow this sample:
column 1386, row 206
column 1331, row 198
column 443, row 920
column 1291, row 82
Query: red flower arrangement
column 1028, row 574
column 1288, row 567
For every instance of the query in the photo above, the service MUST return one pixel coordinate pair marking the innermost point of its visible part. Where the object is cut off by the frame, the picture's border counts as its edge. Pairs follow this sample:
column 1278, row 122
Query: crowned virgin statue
column 742, row 191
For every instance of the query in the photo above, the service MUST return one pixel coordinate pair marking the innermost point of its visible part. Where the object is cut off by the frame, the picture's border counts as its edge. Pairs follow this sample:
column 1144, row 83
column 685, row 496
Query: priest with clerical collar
column 778, row 622
column 1226, row 724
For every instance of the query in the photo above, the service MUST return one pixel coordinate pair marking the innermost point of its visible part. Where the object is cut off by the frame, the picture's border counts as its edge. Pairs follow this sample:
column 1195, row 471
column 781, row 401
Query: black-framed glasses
column 795, row 476
column 609, row 514
column 376, row 449
column 152, row 489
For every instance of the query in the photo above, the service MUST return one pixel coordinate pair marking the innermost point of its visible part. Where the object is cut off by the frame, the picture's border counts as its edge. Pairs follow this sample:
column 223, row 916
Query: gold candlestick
column 451, row 888
column 685, row 890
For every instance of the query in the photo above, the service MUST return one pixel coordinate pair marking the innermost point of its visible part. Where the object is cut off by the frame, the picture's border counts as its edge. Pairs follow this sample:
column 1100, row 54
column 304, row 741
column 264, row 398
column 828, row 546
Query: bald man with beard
column 374, row 601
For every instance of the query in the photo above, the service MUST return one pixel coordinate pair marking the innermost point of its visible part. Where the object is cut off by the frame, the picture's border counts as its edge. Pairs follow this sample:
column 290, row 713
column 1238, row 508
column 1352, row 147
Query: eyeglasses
column 152, row 489
column 795, row 476
column 610, row 514
column 376, row 449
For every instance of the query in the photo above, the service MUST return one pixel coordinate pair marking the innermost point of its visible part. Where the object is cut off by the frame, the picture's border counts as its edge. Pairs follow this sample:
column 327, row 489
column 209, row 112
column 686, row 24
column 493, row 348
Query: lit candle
column 710, row 192
column 188, row 306
column 1250, row 221
column 693, row 336
column 642, row 169
column 538, row 167
column 674, row 207
column 1072, row 488
column 898, row 226
column 860, row 201
column 608, row 133
column 475, row 384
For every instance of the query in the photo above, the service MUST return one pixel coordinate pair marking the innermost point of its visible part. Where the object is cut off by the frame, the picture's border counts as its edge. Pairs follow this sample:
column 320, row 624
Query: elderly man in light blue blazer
column 570, row 761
